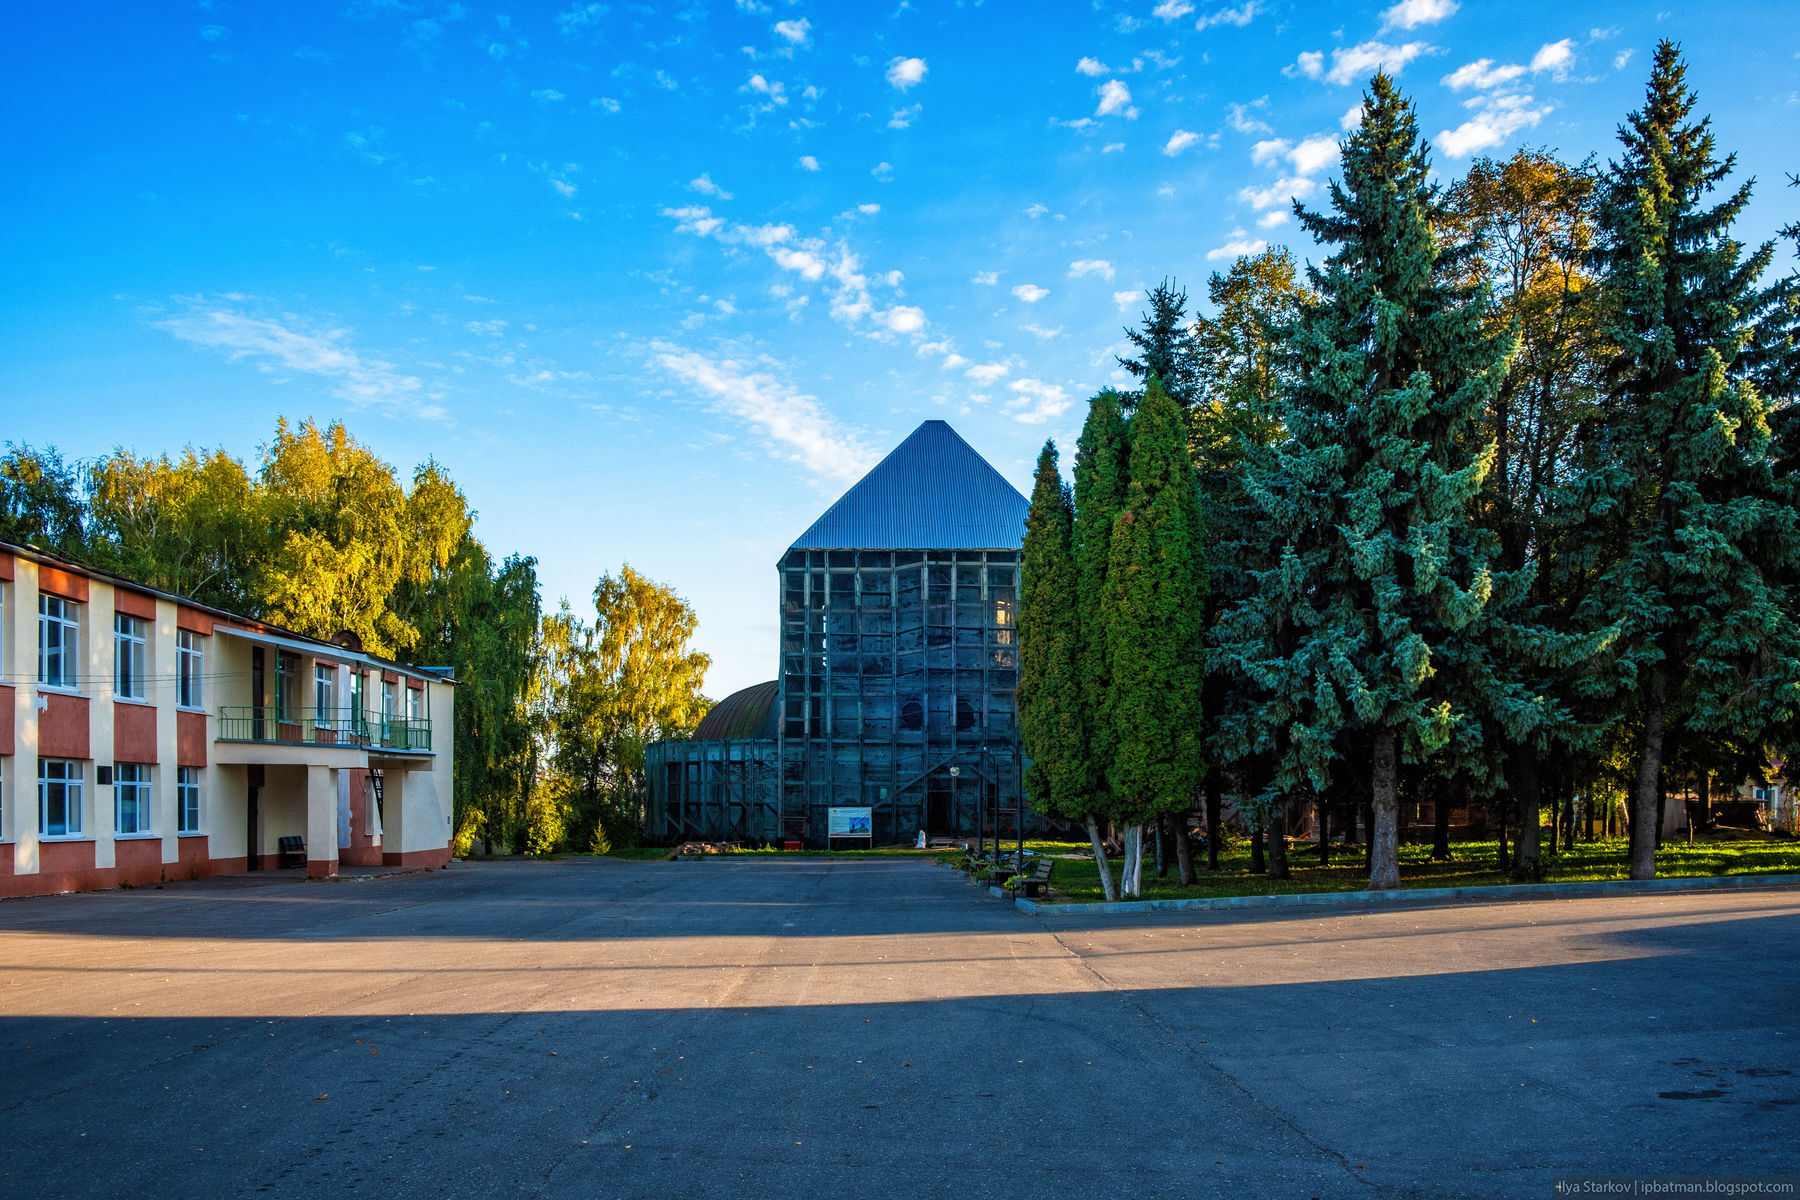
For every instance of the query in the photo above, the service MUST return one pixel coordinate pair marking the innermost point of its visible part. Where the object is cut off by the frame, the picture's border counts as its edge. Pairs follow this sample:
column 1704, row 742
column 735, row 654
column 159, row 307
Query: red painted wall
column 134, row 733
column 62, row 583
column 7, row 719
column 134, row 604
column 190, row 739
column 63, row 726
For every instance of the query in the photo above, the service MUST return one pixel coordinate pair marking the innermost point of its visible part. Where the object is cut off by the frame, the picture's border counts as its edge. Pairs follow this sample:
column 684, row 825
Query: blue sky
column 656, row 283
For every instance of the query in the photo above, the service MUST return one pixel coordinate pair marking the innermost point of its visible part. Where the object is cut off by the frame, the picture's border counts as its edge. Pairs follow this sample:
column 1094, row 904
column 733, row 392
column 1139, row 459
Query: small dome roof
column 749, row 713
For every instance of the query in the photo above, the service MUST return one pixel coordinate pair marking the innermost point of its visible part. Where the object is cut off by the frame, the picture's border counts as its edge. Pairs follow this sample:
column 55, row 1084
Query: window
column 286, row 705
column 131, row 798
column 187, row 800
column 190, row 667
column 413, row 696
column 324, row 694
column 128, row 657
column 59, row 797
column 58, row 624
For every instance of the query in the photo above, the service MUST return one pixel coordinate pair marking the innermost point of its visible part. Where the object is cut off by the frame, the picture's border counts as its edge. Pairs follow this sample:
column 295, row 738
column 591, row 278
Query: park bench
column 292, row 851
column 1037, row 879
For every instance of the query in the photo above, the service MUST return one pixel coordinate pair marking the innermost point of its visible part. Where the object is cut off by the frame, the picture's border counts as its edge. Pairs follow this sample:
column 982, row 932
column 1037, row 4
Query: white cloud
column 986, row 278
column 1352, row 117
column 1237, row 247
column 882, row 171
column 605, row 103
column 1240, row 118
column 868, row 210
column 706, row 186
column 1410, row 14
column 1481, row 74
column 1124, row 299
column 1554, row 57
column 904, row 117
column 1270, row 150
column 795, row 32
column 285, row 343
column 1115, row 97
column 1091, row 67
column 1112, row 147
column 903, row 73
column 1180, row 140
column 1042, row 334
column 1314, row 154
column 986, row 373
column 1620, row 59
column 1172, row 10
column 796, row 426
column 774, row 91
column 1279, row 192
column 1353, row 64
column 1239, row 16
column 1030, row 293
column 564, row 188
column 808, row 163
column 902, row 318
column 1036, row 211
column 694, row 218
column 1091, row 266
column 1497, row 117
column 1270, row 220
column 546, row 95
column 1037, row 401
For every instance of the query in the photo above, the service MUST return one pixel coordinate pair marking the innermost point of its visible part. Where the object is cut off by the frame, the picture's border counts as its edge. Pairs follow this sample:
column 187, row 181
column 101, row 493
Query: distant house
column 150, row 738
column 897, row 674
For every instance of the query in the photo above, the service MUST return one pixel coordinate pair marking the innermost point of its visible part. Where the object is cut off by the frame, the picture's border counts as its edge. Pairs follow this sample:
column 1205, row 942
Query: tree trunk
column 1440, row 824
column 1529, row 860
column 1324, row 811
column 1162, row 859
column 1648, row 792
column 1212, row 822
column 1368, row 834
column 1662, row 804
column 1184, row 851
column 1107, row 887
column 1257, row 866
column 1278, row 864
column 1384, row 830
column 1131, row 886
column 1505, row 857
column 1556, row 812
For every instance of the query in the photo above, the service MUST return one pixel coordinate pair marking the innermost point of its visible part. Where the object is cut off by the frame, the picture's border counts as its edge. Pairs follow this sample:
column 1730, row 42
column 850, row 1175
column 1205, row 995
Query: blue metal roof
column 933, row 492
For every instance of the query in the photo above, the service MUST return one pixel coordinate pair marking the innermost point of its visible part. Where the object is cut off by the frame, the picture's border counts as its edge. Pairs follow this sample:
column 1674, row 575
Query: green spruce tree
column 1692, row 540
column 1168, row 350
column 1152, row 616
column 1369, row 493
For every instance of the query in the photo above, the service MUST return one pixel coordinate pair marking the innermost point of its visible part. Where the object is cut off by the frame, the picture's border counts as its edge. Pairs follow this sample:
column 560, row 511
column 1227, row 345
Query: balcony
column 365, row 730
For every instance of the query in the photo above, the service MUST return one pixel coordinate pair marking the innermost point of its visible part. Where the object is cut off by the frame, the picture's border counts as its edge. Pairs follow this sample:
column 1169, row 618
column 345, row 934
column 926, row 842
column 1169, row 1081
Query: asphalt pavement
column 768, row 1029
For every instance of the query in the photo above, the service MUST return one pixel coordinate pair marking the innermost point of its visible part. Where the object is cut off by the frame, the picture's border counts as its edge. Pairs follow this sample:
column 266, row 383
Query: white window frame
column 414, row 702
column 59, row 632
column 287, row 688
column 131, row 786
column 190, row 669
column 131, row 656
column 70, row 774
column 187, row 799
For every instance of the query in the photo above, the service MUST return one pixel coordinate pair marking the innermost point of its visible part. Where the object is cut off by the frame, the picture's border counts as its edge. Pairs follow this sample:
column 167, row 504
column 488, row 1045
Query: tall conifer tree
column 1688, row 529
column 1370, row 491
column 1101, row 465
column 1152, row 615
column 1049, row 699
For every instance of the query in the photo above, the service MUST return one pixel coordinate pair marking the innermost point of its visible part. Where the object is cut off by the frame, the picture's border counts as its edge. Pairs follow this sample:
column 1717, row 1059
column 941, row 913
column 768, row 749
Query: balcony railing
column 369, row 730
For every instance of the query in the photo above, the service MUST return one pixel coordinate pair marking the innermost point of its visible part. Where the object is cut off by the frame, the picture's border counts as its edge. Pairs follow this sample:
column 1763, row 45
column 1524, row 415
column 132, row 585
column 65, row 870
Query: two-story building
column 147, row 738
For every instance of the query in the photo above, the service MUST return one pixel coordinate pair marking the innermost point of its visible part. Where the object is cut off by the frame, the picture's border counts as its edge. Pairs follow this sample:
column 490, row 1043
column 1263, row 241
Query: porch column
column 321, row 822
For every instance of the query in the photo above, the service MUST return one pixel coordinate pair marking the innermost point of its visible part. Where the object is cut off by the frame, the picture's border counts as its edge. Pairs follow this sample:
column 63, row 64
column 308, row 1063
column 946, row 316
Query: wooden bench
column 292, row 851
column 1038, row 878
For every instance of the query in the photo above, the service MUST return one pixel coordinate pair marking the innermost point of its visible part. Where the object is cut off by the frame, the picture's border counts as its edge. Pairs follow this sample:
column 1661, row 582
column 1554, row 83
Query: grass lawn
column 1472, row 864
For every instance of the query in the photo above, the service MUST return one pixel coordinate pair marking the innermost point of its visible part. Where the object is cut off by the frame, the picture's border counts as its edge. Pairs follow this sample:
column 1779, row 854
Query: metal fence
column 371, row 730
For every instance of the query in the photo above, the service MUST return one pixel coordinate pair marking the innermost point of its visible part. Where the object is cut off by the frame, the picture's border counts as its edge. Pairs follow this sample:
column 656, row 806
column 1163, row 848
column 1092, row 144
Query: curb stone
column 1504, row 891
